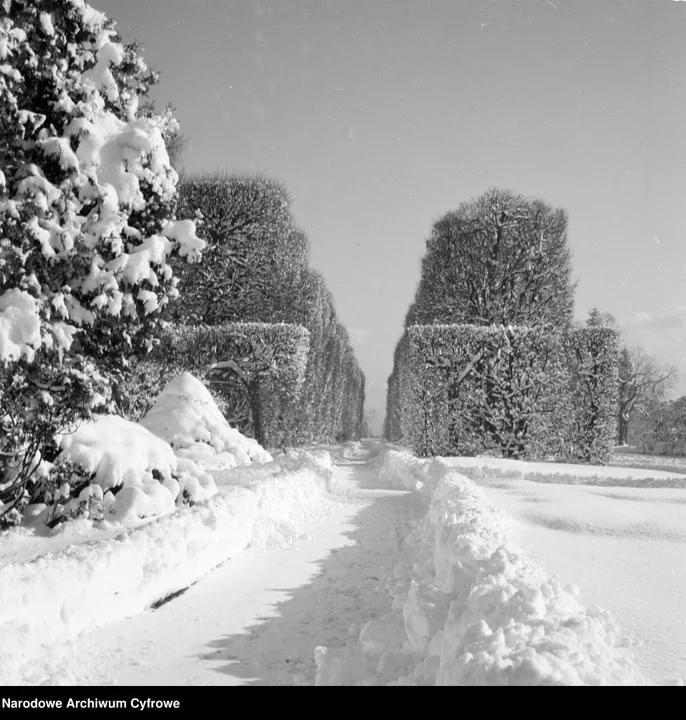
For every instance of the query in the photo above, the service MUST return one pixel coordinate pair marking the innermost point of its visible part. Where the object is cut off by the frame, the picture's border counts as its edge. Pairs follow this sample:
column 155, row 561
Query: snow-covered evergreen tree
column 87, row 202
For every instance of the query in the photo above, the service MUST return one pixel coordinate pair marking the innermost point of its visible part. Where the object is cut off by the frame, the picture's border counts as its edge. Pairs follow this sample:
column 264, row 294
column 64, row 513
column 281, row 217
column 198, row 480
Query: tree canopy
column 501, row 258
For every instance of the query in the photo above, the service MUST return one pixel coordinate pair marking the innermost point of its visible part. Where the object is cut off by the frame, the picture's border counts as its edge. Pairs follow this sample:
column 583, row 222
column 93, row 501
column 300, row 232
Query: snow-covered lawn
column 623, row 544
column 649, row 462
column 442, row 579
column 549, row 472
column 487, row 599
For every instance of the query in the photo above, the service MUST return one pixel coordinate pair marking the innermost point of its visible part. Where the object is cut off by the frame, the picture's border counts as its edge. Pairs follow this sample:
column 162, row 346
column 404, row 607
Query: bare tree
column 643, row 381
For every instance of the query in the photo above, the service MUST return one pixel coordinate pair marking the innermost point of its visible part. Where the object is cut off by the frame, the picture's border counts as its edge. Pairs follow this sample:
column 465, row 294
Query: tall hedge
column 250, row 270
column 332, row 403
column 500, row 258
column 594, row 355
column 519, row 392
column 255, row 269
column 255, row 370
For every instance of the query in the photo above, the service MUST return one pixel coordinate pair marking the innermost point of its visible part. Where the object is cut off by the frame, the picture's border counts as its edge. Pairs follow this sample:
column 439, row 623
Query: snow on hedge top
column 185, row 414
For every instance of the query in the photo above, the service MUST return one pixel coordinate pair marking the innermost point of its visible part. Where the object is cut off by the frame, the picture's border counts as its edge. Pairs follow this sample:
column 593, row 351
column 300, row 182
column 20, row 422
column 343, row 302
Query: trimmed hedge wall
column 255, row 370
column 520, row 392
column 594, row 365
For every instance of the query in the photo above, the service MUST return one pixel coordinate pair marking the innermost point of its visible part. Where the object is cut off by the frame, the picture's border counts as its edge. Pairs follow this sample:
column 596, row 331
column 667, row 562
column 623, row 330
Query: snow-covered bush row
column 470, row 609
column 187, row 417
column 135, row 473
column 55, row 597
column 518, row 391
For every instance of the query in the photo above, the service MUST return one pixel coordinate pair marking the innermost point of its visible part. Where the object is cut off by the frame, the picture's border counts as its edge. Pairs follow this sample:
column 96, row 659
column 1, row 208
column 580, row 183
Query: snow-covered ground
column 52, row 598
column 396, row 571
column 624, row 547
column 618, row 534
column 258, row 617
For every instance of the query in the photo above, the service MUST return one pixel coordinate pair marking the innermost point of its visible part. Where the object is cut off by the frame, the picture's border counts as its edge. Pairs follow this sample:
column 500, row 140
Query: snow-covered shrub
column 186, row 416
column 522, row 392
column 38, row 399
column 87, row 227
column 69, row 495
column 136, row 472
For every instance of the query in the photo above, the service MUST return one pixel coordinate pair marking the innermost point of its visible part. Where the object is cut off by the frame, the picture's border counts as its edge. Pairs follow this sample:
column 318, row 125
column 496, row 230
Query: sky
column 381, row 115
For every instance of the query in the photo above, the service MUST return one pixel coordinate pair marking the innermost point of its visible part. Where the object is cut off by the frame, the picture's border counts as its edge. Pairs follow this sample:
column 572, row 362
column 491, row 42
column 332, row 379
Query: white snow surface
column 473, row 609
column 19, row 326
column 568, row 473
column 436, row 584
column 115, row 571
column 623, row 546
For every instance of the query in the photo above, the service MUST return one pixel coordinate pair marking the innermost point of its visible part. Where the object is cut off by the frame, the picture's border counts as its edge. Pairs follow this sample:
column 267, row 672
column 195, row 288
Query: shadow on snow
column 348, row 590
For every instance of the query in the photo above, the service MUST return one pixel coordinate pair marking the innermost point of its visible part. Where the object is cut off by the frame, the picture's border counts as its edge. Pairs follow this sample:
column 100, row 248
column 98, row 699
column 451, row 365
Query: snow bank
column 186, row 416
column 470, row 609
column 55, row 597
column 567, row 473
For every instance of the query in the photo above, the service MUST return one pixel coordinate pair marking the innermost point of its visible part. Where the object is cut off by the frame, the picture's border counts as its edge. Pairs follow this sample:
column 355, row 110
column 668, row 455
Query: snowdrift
column 54, row 597
column 186, row 416
column 470, row 609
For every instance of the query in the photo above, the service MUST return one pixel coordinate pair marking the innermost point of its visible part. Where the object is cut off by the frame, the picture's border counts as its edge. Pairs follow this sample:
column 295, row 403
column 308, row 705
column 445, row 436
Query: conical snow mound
column 186, row 416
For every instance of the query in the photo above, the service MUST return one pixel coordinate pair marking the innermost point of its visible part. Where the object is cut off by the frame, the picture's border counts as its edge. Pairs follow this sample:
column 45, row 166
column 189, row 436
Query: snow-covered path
column 257, row 619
